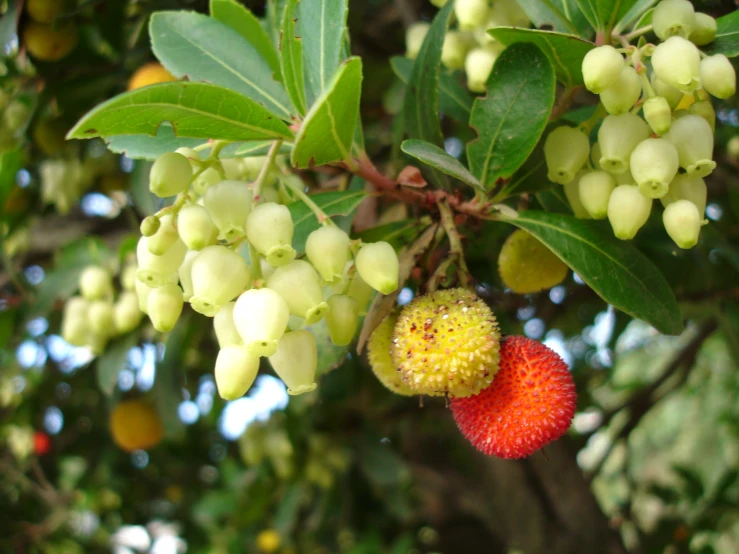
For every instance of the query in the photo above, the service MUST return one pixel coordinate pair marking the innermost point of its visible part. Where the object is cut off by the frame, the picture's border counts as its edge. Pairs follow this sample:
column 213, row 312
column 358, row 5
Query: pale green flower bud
column 595, row 156
column 225, row 328
column 623, row 93
column 128, row 277
column 378, row 265
column 300, row 285
column 218, row 276
column 628, row 211
column 704, row 30
column 261, row 317
column 229, row 204
column 572, row 192
column 184, row 274
column 673, row 18
column 658, row 114
column 192, row 156
column 684, row 187
column 414, row 37
column 15, row 115
column 253, row 166
column 718, row 76
column 100, row 316
column 732, row 148
column 196, row 227
column 342, row 319
column 704, row 109
column 360, row 291
column 142, row 293
column 654, row 164
column 165, row 237
column 454, row 50
column 617, row 137
column 154, row 270
column 235, row 372
column 165, row 306
column 470, row 13
column 170, row 175
column 96, row 283
column 566, row 150
column 233, row 169
column 595, row 189
column 676, row 62
column 601, row 68
column 478, row 65
column 206, row 179
column 149, row 226
column 269, row 229
column 327, row 249
column 668, row 92
column 75, row 327
column 126, row 312
column 295, row 361
column 693, row 138
column 683, row 223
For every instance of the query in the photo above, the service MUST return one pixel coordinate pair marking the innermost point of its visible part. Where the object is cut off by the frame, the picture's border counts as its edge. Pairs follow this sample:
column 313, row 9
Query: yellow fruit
column 46, row 11
column 526, row 265
column 378, row 352
column 47, row 43
column 150, row 74
column 49, row 135
column 268, row 541
column 135, row 425
column 447, row 342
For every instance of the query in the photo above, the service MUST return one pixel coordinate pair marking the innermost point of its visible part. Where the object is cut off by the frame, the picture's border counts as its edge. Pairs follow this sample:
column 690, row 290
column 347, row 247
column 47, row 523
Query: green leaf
column 549, row 12
column 327, row 133
column 257, row 148
column 727, row 36
column 323, row 31
column 566, row 52
column 342, row 203
column 589, row 9
column 530, row 177
column 330, row 356
column 169, row 376
column 291, row 56
column 112, row 361
column 195, row 110
column 421, row 107
column 454, row 100
column 437, row 158
column 8, row 24
column 204, row 49
column 397, row 233
column 145, row 147
column 630, row 12
column 244, row 22
column 617, row 271
column 11, row 161
column 511, row 118
column 273, row 19
column 145, row 201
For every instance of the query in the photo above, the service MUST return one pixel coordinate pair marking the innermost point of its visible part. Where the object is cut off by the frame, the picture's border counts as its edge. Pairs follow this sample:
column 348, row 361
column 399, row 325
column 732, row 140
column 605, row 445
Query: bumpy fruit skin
column 527, row 266
column 446, row 342
column 47, row 43
column 135, row 425
column 530, row 403
column 378, row 352
column 150, row 74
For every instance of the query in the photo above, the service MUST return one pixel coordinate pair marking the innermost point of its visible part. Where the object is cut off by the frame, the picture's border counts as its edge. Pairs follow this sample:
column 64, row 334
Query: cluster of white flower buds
column 196, row 251
column 96, row 315
column 657, row 139
column 468, row 46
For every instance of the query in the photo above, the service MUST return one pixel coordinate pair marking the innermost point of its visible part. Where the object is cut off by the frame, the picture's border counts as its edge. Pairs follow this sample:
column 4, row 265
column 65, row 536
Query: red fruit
column 41, row 443
column 529, row 404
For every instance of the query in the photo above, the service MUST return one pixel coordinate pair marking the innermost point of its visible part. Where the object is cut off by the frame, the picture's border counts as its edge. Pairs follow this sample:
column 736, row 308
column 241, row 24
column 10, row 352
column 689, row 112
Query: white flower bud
column 658, row 114
column 170, row 175
column 414, row 37
column 225, row 328
column 235, row 372
column 253, row 166
column 192, row 156
column 166, row 235
column 126, row 312
column 100, row 317
column 196, row 228
column 207, row 178
column 300, row 285
column 718, row 76
column 693, row 138
column 128, row 277
column 269, row 229
column 566, row 150
column 184, row 274
column 327, row 249
column 165, row 307
column 342, row 319
column 261, row 317
column 683, row 223
column 628, row 211
column 595, row 156
column 623, row 93
column 295, row 361
column 601, row 68
column 676, row 62
column 454, row 50
column 96, row 283
column 572, row 192
column 618, row 136
column 704, row 109
column 654, row 164
column 75, row 327
column 155, row 271
column 378, row 265
column 704, row 30
column 218, row 276
column 595, row 189
column 470, row 13
column 478, row 65
column 685, row 187
column 668, row 92
column 360, row 291
column 233, row 169
column 673, row 18
column 229, row 204
column 142, row 293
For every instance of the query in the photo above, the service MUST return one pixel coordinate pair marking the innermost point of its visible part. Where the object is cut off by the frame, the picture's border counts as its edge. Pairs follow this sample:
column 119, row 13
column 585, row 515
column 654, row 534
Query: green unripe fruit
column 184, row 274
column 668, row 92
column 154, row 270
column 628, row 211
column 683, row 223
column 718, row 76
column 165, row 307
column 96, row 283
column 704, row 30
column 170, row 175
column 142, row 293
column 196, row 228
column 235, row 371
column 207, row 178
column 565, row 150
column 414, row 37
column 101, row 318
column 692, row 136
column 378, row 353
column 342, row 319
column 454, row 50
column 128, row 277
column 673, row 18
column 296, row 360
column 126, row 312
column 676, row 62
column 165, row 237
column 601, row 67
column 360, row 291
column 225, row 328
column 572, row 192
column 595, row 189
column 218, row 276
column 623, row 93
column 618, row 136
column 658, row 114
column 654, row 164
column 229, row 204
column 300, row 285
column 684, row 187
column 378, row 265
column 478, row 66
column 327, row 249
column 269, row 228
column 261, row 317
column 526, row 265
column 470, row 13
column 704, row 109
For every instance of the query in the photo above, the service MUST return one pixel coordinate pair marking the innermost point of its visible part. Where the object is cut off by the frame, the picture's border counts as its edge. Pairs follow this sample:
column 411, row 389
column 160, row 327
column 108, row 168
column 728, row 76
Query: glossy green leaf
column 257, row 148
column 727, row 36
column 530, row 177
column 617, row 271
column 552, row 13
column 330, row 356
column 169, row 376
column 438, row 158
column 630, row 12
column 327, row 132
column 291, row 58
column 397, row 233
column 145, row 147
column 273, row 20
column 112, row 361
column 566, row 52
column 339, row 203
column 244, row 22
column 204, row 49
column 511, row 118
column 195, row 110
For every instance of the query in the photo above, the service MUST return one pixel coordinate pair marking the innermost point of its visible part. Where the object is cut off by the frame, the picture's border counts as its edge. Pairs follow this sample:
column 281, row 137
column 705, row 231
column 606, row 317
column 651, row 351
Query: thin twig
column 262, row 177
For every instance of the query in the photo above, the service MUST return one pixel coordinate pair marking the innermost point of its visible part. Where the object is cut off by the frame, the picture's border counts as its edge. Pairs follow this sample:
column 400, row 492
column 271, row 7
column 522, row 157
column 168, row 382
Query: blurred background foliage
column 649, row 466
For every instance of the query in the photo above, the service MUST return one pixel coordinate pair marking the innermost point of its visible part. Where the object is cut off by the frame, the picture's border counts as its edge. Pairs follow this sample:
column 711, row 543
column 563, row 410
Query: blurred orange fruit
column 135, row 425
column 49, row 43
column 150, row 74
